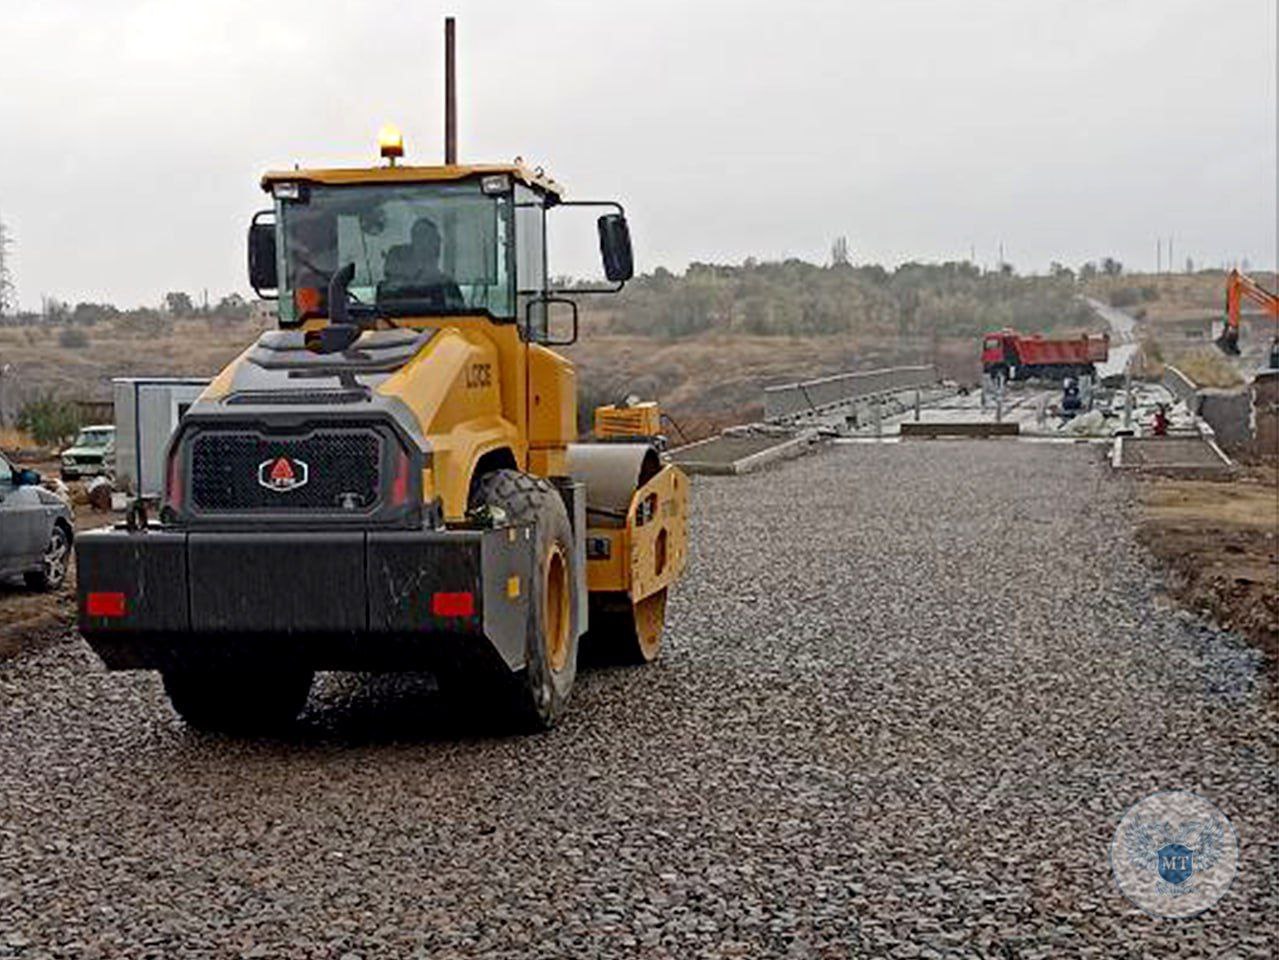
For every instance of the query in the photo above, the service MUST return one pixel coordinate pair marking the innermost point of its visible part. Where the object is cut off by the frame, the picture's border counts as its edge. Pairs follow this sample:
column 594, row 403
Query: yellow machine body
column 615, row 422
column 484, row 395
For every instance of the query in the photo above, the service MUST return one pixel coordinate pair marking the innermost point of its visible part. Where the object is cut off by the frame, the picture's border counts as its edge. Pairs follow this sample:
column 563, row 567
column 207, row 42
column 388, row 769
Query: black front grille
column 239, row 471
column 298, row 397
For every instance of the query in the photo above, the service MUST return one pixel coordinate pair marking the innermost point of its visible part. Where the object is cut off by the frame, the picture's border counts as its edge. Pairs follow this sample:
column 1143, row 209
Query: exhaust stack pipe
column 450, row 94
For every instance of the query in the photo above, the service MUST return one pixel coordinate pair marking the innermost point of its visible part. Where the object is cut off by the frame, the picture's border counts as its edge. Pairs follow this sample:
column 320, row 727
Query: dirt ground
column 1221, row 542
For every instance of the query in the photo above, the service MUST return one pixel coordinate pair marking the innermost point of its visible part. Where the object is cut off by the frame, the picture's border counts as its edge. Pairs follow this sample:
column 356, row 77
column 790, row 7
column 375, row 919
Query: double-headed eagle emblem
column 1175, row 853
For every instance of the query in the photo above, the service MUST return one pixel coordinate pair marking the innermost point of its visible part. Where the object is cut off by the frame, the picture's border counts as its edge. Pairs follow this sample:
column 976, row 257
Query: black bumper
column 348, row 600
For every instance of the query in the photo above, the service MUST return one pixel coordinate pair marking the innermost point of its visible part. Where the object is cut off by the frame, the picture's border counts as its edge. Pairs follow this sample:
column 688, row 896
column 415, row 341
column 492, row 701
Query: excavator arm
column 1240, row 287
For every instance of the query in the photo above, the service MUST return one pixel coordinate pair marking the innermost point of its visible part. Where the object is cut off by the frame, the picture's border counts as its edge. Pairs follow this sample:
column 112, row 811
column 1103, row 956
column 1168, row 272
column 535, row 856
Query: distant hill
column 794, row 298
column 704, row 342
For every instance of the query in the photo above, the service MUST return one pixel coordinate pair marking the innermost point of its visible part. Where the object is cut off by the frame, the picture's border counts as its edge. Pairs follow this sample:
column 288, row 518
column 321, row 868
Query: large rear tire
column 237, row 699
column 540, row 692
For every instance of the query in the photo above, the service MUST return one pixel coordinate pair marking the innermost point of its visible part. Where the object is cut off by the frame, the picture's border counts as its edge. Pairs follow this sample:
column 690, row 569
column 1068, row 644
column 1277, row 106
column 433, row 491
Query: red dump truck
column 1008, row 355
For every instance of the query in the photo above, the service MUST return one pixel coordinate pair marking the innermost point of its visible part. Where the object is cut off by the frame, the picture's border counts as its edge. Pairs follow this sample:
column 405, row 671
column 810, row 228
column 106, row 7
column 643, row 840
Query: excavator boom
column 1240, row 287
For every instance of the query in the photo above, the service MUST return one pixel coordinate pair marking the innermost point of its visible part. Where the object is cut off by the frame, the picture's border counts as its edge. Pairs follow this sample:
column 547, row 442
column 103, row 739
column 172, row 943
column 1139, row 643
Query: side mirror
column 26, row 478
column 262, row 271
column 551, row 327
column 615, row 247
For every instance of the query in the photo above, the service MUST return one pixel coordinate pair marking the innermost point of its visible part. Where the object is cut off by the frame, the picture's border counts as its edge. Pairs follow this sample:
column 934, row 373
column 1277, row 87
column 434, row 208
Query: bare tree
column 8, row 297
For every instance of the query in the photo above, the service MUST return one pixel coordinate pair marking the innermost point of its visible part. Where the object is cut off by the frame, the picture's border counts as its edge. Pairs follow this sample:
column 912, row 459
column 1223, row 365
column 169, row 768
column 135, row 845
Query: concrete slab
column 741, row 452
column 1197, row 457
column 984, row 428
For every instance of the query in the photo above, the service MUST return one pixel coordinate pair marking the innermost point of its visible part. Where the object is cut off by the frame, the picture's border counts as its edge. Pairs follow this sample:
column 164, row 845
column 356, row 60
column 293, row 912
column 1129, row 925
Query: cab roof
column 536, row 179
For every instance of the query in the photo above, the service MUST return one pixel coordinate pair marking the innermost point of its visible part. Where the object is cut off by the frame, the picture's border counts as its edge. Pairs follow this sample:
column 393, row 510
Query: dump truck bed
column 1041, row 351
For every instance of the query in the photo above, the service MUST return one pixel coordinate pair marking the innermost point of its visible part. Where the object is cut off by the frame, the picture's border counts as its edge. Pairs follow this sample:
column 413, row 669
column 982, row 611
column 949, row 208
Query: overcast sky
column 132, row 133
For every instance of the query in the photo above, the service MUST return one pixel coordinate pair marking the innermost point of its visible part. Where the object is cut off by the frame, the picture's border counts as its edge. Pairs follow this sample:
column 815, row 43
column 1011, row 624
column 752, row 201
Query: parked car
column 36, row 529
column 92, row 454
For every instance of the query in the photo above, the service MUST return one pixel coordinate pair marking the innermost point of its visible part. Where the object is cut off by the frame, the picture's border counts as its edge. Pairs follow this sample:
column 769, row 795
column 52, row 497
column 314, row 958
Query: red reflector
column 104, row 604
column 173, row 480
column 400, row 485
column 453, row 604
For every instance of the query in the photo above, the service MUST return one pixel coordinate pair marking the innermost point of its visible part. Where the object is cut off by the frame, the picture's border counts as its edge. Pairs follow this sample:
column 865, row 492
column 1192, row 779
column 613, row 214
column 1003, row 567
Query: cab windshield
column 417, row 248
column 94, row 438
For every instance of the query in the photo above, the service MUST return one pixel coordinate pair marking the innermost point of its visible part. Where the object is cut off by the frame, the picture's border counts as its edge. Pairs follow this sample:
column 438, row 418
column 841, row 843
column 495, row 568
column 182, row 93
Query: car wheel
column 53, row 565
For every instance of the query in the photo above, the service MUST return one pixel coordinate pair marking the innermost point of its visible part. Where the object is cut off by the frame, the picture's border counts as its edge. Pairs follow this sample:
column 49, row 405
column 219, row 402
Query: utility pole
column 450, row 93
column 1159, row 255
column 8, row 299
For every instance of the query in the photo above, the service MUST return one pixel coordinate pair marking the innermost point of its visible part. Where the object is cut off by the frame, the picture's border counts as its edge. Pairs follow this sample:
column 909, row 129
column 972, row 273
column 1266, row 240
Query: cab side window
column 6, row 474
column 530, row 258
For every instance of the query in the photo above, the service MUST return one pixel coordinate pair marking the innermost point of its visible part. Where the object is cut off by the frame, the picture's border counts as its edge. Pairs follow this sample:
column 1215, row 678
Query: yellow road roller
column 390, row 480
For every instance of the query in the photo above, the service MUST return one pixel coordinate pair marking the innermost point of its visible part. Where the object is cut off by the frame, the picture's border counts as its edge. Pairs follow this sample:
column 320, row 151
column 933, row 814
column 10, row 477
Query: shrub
column 48, row 419
column 1124, row 296
column 73, row 338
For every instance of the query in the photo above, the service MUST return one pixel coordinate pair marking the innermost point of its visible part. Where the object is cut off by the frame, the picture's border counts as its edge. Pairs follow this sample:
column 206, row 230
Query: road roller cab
column 391, row 480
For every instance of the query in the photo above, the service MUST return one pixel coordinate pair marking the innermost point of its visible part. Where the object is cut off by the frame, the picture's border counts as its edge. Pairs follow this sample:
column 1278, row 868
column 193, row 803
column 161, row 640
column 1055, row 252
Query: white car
column 36, row 529
column 92, row 454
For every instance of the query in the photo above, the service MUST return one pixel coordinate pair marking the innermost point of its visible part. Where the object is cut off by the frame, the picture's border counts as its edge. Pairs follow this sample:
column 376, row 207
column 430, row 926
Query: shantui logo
column 282, row 474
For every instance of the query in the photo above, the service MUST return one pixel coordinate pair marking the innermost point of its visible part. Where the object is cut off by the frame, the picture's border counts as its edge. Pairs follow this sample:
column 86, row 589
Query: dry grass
column 184, row 348
column 706, row 382
column 13, row 439
column 1207, row 367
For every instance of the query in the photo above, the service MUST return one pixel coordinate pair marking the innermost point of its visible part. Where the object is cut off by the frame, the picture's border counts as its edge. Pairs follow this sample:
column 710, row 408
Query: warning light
column 390, row 142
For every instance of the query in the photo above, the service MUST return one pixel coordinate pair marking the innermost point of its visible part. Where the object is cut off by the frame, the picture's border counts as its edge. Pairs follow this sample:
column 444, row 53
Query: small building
column 147, row 411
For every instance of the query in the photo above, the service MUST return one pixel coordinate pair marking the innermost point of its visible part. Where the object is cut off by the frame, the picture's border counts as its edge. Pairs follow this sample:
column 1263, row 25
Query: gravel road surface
column 909, row 692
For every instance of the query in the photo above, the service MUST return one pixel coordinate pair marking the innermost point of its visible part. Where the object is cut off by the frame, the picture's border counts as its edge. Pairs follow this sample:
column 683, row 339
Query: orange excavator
column 1240, row 287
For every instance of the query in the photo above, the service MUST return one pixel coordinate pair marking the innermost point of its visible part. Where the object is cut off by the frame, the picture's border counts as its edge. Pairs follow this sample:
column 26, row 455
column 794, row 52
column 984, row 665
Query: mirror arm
column 560, row 292
column 611, row 204
column 616, row 208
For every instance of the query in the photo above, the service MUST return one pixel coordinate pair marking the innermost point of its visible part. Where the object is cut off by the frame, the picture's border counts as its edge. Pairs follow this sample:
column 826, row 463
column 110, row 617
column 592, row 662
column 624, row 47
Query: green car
column 92, row 454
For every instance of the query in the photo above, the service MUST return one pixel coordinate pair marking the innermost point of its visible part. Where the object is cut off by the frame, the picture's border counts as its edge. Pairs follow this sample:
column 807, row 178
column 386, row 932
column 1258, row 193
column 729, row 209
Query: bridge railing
column 825, row 394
